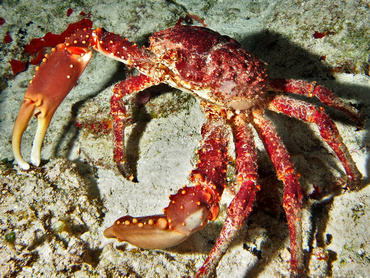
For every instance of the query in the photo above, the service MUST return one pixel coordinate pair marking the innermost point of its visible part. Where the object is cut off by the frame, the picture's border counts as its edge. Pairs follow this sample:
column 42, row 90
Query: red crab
column 234, row 90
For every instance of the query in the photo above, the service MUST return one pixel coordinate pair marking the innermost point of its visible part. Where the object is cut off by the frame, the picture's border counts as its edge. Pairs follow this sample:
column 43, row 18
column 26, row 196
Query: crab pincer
column 188, row 212
column 54, row 79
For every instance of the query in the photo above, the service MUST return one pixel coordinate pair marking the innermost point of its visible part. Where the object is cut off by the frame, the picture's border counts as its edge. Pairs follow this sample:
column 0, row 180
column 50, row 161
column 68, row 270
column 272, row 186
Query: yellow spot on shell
column 150, row 222
column 134, row 220
column 140, row 225
column 127, row 222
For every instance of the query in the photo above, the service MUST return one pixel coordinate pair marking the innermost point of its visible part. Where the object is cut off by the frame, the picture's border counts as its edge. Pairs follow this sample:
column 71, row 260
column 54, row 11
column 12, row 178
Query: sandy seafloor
column 52, row 217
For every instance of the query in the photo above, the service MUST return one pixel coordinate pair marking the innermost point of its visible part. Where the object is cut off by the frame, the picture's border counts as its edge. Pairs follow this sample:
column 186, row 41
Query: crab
column 234, row 91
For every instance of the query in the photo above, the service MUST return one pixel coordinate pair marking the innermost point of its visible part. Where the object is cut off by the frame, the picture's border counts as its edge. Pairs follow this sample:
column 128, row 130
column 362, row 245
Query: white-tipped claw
column 22, row 164
column 54, row 79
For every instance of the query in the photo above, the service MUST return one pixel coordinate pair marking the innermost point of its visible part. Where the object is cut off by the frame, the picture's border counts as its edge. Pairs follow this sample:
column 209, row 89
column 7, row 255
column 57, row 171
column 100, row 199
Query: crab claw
column 188, row 212
column 54, row 79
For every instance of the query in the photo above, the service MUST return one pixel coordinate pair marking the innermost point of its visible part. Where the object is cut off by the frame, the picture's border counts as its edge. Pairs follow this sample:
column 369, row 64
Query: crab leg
column 328, row 130
column 55, row 77
column 122, row 117
column 292, row 194
column 241, row 205
column 311, row 89
column 192, row 207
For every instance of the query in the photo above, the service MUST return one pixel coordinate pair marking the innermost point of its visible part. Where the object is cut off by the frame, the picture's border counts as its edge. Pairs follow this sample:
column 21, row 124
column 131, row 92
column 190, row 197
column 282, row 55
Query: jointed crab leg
column 292, row 194
column 122, row 117
column 242, row 204
column 311, row 89
column 328, row 130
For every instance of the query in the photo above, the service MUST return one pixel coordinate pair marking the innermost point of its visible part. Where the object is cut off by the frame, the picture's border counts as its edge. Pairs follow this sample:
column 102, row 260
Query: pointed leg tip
column 35, row 160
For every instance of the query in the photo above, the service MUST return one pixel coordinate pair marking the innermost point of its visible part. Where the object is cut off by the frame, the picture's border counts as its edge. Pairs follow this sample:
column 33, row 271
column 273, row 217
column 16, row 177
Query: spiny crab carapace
column 234, row 91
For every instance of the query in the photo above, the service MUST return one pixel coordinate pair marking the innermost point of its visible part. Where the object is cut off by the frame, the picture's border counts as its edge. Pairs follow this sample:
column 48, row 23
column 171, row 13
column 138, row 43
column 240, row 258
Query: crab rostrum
column 234, row 90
